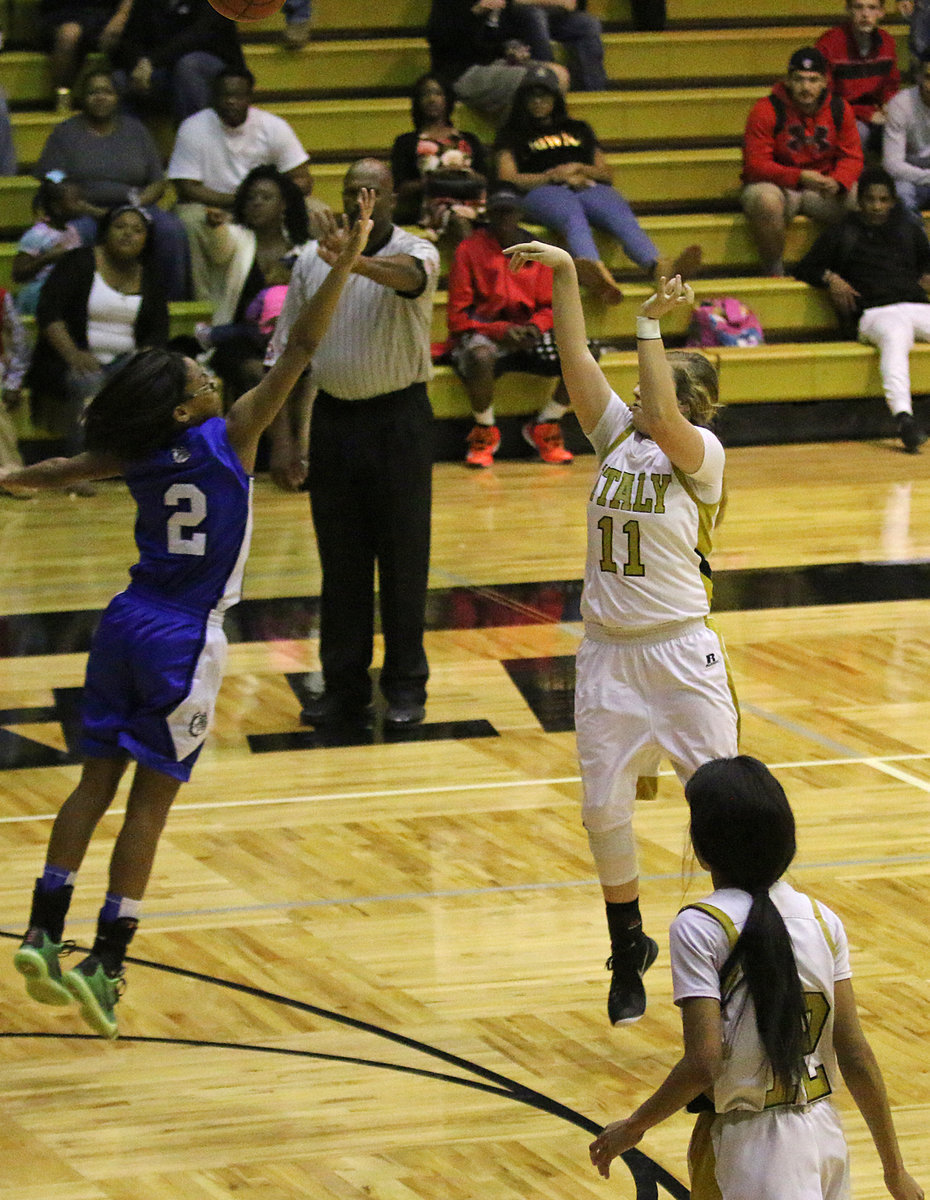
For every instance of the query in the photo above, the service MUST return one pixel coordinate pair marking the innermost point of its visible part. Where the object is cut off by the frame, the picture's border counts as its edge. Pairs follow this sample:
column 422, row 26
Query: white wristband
column 647, row 329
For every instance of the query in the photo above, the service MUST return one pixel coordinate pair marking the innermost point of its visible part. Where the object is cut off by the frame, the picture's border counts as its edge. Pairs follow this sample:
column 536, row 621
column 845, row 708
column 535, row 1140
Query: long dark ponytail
column 742, row 827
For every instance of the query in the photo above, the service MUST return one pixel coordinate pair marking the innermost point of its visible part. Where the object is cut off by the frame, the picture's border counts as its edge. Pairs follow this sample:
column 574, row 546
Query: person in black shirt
column 876, row 265
column 566, row 180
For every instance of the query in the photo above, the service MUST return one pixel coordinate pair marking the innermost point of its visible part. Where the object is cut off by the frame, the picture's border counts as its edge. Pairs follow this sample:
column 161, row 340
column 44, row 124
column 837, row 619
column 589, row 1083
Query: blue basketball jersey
column 194, row 520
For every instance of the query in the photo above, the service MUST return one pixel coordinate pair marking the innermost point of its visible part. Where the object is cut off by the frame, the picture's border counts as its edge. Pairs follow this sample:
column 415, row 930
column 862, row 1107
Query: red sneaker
column 483, row 442
column 546, row 437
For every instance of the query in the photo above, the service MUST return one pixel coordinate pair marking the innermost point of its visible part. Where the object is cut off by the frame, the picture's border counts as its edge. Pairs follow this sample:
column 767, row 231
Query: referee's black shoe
column 626, row 1001
column 401, row 714
column 325, row 708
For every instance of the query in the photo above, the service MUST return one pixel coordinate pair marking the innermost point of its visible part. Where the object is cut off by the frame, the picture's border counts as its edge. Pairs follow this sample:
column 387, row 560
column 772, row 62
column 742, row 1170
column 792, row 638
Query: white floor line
column 879, row 762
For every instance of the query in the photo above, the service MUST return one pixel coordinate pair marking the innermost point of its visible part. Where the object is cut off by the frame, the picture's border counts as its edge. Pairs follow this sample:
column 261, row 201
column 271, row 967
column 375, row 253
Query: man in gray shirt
column 370, row 458
column 906, row 146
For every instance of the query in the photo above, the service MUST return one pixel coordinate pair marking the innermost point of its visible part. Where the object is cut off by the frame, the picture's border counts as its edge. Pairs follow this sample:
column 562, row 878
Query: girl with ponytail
column 761, row 974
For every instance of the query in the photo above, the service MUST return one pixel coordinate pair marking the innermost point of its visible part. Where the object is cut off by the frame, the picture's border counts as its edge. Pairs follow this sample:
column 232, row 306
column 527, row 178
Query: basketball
column 246, row 10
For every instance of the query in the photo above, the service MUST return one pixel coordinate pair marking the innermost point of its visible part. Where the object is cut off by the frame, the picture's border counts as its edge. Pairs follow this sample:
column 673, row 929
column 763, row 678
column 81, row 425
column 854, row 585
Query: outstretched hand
column 542, row 252
column 667, row 296
column 340, row 238
column 614, row 1139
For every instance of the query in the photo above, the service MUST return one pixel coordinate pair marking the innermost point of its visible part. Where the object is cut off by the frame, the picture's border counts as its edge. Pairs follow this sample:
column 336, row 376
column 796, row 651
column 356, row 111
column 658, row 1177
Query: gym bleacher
column 672, row 126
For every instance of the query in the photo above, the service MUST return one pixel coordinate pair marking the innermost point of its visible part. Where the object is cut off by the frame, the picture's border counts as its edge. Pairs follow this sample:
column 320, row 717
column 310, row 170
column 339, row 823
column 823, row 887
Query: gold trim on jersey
column 707, row 517
column 702, row 1160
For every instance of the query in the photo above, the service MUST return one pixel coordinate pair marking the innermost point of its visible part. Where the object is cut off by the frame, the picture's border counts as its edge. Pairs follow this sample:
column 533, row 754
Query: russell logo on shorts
column 198, row 725
column 711, row 659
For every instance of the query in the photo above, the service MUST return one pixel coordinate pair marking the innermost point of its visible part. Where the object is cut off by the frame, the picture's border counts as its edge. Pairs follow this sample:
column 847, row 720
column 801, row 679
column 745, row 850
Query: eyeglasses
column 210, row 384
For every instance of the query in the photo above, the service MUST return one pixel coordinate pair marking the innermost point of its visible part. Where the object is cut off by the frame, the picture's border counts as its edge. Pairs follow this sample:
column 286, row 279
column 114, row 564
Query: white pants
column 894, row 328
column 777, row 1154
column 637, row 700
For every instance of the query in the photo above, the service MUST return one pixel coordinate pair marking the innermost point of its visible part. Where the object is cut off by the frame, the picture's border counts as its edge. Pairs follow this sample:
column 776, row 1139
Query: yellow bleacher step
column 394, row 62
column 337, row 126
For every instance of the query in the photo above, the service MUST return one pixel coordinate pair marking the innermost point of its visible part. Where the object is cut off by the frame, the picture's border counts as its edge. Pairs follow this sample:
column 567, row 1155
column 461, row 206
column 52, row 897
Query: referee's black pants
column 370, row 480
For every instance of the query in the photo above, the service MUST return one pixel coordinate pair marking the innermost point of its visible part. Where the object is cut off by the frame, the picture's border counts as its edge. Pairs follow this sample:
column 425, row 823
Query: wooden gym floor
column 376, row 969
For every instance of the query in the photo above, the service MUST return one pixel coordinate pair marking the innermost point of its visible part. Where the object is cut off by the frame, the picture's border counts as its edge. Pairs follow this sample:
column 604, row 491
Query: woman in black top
column 99, row 304
column 439, row 170
column 557, row 162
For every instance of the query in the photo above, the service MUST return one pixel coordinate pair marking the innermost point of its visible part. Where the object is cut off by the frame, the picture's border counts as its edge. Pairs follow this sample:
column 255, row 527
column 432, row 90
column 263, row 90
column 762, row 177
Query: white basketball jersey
column 649, row 529
column 701, row 938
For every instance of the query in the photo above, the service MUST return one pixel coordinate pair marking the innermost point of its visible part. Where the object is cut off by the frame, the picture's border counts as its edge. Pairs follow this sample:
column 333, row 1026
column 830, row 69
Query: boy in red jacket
column 801, row 154
column 863, row 62
column 501, row 320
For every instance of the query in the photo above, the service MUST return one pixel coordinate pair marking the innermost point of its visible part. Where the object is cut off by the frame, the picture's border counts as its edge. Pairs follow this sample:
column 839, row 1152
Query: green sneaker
column 37, row 962
column 97, row 993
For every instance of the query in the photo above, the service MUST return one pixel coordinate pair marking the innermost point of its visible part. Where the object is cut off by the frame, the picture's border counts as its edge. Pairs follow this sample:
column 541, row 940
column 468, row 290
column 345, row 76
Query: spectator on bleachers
column 801, row 154
column 906, row 151
column 501, row 320
column 55, row 206
column 7, row 150
column 568, row 22
column 214, row 151
column 476, row 48
column 14, row 359
column 72, row 29
column 863, row 62
column 439, row 170
column 114, row 160
column 99, row 304
column 296, row 23
column 255, row 247
column 876, row 266
column 566, row 180
column 169, row 53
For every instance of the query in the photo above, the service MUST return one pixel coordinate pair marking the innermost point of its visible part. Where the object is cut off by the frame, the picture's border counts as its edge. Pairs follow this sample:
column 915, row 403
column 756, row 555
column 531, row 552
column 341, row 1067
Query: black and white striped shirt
column 379, row 340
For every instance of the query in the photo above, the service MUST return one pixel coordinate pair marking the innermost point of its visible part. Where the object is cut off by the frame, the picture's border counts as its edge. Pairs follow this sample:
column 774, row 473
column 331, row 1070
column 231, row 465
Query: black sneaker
column 626, row 1001
column 910, row 432
column 325, row 708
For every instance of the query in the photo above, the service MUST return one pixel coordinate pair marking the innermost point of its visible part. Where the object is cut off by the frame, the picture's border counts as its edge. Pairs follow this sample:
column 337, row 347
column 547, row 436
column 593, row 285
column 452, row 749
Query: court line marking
column 877, row 761
column 647, row 1174
column 495, row 890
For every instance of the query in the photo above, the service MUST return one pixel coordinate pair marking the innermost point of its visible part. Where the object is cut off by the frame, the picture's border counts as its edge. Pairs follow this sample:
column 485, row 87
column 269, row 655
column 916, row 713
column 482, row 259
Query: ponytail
column 742, row 827
column 763, row 959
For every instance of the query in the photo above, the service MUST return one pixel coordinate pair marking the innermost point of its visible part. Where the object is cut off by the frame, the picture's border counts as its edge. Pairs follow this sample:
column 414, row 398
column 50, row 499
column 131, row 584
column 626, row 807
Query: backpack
column 837, row 108
column 724, row 321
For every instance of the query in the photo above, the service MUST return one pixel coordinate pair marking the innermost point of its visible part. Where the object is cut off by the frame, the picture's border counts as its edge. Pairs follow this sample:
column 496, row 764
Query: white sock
column 553, row 411
column 484, row 418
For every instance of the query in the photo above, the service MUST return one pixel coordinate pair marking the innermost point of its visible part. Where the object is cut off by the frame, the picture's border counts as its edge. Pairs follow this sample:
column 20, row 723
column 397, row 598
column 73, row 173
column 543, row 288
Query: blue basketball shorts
column 152, row 679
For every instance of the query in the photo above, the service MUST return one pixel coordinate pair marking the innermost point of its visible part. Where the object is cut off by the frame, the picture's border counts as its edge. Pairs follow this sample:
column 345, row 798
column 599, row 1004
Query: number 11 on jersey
column 633, row 564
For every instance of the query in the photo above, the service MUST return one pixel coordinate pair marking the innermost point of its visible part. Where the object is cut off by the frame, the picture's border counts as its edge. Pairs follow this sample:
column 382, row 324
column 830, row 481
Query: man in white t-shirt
column 214, row 151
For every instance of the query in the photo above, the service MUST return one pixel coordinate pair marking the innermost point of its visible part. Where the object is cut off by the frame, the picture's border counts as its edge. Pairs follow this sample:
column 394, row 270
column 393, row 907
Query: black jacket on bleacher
column 165, row 30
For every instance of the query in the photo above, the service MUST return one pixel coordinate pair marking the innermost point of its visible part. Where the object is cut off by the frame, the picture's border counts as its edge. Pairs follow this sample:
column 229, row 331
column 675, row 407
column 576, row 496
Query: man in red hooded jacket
column 801, row 154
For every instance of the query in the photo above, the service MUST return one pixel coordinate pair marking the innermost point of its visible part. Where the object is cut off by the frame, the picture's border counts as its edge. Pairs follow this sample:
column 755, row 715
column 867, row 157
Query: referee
column 370, row 458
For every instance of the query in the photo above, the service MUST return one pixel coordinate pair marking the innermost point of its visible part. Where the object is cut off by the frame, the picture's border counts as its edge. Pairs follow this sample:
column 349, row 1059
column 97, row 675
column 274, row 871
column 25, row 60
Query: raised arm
column 587, row 385
column 253, row 412
column 662, row 419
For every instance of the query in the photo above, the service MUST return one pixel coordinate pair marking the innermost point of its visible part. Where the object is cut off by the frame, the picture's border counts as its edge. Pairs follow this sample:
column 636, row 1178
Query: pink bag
column 724, row 321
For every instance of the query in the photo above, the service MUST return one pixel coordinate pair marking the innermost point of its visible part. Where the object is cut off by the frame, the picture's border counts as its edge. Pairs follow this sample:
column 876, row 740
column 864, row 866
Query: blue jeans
column 913, row 195
column 182, row 90
column 579, row 32
column 169, row 244
column 7, row 153
column 573, row 213
column 296, row 10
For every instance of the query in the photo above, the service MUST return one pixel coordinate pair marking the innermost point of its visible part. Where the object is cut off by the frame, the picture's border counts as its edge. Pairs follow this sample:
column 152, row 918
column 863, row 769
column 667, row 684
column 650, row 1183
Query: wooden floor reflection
column 439, row 886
